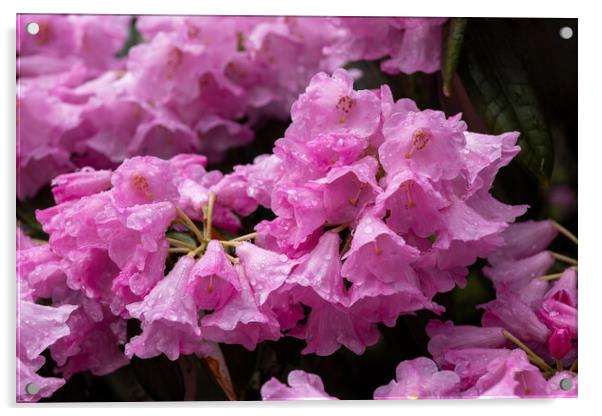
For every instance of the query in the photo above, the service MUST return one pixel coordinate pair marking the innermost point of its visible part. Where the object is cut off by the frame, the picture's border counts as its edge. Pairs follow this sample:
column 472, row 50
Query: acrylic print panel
column 275, row 208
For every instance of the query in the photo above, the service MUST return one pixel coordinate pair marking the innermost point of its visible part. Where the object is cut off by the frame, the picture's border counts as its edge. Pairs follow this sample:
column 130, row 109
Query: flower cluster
column 382, row 205
column 378, row 206
column 198, row 84
column 531, row 323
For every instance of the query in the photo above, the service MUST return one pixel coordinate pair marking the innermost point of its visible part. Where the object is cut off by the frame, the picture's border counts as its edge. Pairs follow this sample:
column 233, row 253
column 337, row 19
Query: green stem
column 209, row 217
column 178, row 250
column 245, row 237
column 191, row 225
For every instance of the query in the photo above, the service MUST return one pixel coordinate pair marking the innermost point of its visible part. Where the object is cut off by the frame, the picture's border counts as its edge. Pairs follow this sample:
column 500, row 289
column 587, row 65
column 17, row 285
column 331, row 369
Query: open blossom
column 411, row 44
column 38, row 328
column 377, row 207
column 196, row 83
column 419, row 379
column 417, row 206
column 301, row 386
column 169, row 316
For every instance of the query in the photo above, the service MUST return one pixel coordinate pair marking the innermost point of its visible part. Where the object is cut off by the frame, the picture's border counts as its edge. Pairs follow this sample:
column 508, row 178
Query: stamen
column 523, row 381
column 420, row 139
column 345, row 104
column 141, row 184
column 354, row 200
column 407, row 188
column 377, row 249
column 210, row 287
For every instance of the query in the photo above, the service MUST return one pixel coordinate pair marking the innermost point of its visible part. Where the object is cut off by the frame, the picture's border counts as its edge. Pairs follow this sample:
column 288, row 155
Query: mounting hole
column 566, row 32
column 32, row 388
column 33, row 28
column 566, row 384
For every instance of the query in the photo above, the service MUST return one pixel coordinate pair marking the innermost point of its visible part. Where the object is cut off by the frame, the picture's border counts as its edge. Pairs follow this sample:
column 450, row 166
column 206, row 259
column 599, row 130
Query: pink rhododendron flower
column 169, row 315
column 78, row 184
column 301, row 386
column 419, row 379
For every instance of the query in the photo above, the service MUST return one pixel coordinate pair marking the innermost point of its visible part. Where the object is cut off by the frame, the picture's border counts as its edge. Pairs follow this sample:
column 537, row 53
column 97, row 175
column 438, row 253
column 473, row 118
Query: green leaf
column 451, row 51
column 133, row 39
column 187, row 238
column 498, row 86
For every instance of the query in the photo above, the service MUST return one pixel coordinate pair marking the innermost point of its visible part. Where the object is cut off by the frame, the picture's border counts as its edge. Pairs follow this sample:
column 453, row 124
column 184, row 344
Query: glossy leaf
column 498, row 85
column 451, row 51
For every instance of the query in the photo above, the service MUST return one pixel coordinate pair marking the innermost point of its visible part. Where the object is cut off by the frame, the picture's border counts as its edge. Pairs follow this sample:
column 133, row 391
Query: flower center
column 406, row 187
column 174, row 59
column 141, row 184
column 420, row 139
column 345, row 104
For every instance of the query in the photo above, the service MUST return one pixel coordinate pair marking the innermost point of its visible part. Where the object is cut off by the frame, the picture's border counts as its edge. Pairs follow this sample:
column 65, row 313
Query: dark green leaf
column 133, row 39
column 187, row 238
column 451, row 51
column 498, row 85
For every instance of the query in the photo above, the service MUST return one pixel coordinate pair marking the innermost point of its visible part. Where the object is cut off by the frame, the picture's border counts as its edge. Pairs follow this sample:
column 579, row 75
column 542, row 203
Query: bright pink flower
column 331, row 105
column 78, row 184
column 425, row 142
column 509, row 377
column 509, row 312
column 377, row 254
column 320, row 270
column 419, row 379
column 447, row 337
column 523, row 240
column 347, row 190
column 518, row 273
column 419, row 48
column 215, row 278
column 413, row 204
column 330, row 326
column 301, row 386
column 93, row 343
column 38, row 327
column 265, row 270
column 410, row 44
column 241, row 320
column 169, row 316
column 142, row 180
